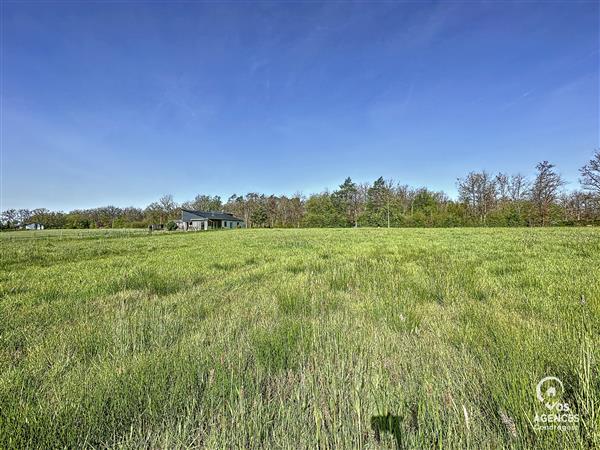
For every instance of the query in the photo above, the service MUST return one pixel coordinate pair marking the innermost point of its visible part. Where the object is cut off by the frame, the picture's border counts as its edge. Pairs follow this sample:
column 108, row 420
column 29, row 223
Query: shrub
column 171, row 226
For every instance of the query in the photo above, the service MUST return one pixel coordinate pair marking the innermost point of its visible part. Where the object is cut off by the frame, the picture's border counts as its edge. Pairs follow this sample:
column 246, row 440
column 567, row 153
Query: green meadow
column 299, row 338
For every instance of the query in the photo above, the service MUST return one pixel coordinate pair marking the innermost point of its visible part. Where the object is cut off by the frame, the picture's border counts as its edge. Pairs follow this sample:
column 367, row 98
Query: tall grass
column 373, row 338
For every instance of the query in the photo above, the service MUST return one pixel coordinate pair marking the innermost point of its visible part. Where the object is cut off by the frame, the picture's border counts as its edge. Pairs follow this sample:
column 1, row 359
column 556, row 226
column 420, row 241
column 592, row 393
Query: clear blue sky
column 120, row 102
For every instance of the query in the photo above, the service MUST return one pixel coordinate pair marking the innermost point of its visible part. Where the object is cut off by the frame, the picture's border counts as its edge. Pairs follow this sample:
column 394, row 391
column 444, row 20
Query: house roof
column 187, row 215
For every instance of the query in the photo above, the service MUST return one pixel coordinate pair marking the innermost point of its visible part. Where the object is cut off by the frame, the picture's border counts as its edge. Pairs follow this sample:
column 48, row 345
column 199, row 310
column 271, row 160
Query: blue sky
column 121, row 102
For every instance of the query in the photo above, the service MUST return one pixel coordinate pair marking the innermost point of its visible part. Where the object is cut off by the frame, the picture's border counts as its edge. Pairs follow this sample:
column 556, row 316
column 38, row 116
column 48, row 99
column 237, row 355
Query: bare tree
column 545, row 189
column 163, row 209
column 590, row 174
column 478, row 191
column 579, row 206
column 518, row 187
column 502, row 186
column 23, row 216
column 9, row 218
column 518, row 190
column 167, row 204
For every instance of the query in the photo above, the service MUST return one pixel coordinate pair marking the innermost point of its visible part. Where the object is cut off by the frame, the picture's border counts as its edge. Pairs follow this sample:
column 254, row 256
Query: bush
column 171, row 226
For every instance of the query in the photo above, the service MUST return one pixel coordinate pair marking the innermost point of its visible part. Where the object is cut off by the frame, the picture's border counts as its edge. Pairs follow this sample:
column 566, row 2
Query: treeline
column 484, row 200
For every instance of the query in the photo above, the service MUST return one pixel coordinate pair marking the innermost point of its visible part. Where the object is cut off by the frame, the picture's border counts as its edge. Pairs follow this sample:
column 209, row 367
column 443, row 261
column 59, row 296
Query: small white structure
column 34, row 226
column 207, row 220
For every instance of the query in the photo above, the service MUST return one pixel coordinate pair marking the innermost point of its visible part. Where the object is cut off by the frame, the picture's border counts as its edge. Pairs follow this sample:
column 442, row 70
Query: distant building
column 34, row 226
column 207, row 220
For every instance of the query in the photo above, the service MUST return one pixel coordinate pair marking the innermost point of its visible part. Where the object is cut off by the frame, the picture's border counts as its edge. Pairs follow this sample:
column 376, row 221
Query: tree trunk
column 388, row 213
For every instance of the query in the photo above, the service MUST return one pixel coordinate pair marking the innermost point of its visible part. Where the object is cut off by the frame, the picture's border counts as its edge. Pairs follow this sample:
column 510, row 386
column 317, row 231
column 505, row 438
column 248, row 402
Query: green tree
column 346, row 200
column 322, row 212
column 259, row 216
column 379, row 203
column 425, row 203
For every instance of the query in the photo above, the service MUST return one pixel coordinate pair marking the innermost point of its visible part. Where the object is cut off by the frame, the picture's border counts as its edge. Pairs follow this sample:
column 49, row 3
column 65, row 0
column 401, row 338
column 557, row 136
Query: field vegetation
column 299, row 338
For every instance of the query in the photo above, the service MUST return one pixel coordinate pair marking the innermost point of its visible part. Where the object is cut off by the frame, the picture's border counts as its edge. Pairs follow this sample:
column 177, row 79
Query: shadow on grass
column 387, row 424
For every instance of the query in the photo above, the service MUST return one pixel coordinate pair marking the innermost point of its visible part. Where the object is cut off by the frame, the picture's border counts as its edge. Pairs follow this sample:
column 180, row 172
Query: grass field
column 373, row 338
column 71, row 234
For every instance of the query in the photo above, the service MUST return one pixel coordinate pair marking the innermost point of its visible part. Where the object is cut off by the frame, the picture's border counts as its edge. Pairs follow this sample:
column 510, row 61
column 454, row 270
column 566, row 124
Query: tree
column 23, row 216
column 108, row 215
column 41, row 215
column 347, row 198
column 168, row 205
column 131, row 215
column 590, row 174
column 425, row 203
column 259, row 216
column 154, row 213
column 271, row 208
column 379, row 198
column 478, row 191
column 491, row 200
column 9, row 218
column 545, row 189
column 76, row 219
column 252, row 202
column 518, row 188
column 424, row 200
column 502, row 187
column 236, row 206
column 296, row 209
column 405, row 198
column 322, row 212
column 204, row 203
column 163, row 210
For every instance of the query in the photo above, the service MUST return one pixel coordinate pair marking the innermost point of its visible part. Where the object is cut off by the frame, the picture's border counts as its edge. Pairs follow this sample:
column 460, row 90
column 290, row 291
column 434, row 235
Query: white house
column 34, row 226
column 208, row 220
